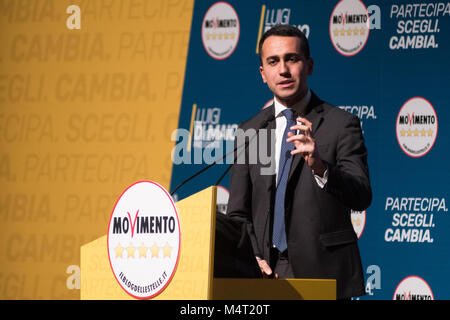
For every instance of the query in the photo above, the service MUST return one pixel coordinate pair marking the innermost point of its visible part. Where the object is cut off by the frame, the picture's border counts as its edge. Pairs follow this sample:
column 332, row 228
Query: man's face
column 285, row 68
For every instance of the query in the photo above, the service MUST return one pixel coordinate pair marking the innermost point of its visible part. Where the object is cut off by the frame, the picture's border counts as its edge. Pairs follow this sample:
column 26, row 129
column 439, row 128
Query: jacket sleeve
column 240, row 200
column 348, row 178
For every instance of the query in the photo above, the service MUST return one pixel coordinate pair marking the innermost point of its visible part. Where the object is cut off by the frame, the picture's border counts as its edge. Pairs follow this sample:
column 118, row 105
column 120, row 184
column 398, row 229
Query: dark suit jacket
column 320, row 236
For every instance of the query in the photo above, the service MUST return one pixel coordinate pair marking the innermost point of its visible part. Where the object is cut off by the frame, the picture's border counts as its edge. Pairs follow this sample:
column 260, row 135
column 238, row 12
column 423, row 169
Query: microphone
column 262, row 125
column 265, row 123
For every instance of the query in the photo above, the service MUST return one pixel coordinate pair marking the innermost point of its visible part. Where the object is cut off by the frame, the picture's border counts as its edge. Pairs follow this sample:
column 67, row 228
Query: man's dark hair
column 285, row 30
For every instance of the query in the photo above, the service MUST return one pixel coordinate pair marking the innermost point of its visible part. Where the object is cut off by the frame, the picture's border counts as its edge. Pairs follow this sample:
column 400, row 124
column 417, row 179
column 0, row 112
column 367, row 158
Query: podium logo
column 144, row 239
column 349, row 27
column 416, row 127
column 220, row 30
column 413, row 288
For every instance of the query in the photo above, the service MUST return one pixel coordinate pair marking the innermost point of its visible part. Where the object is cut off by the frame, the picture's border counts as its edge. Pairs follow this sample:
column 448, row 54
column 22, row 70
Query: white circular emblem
column 222, row 199
column 413, row 288
column 222, row 195
column 416, row 127
column 358, row 221
column 220, row 30
column 144, row 239
column 349, row 27
column 268, row 104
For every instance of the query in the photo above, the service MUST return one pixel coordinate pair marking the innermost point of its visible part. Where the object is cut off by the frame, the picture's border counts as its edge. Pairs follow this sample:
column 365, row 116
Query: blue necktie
column 279, row 229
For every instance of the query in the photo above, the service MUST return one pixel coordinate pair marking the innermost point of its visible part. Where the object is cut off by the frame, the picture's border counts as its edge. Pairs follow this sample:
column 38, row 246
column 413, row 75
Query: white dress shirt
column 280, row 126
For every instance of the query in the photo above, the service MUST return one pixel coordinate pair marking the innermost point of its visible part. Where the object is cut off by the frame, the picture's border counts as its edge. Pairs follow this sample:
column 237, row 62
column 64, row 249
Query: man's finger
column 298, row 137
column 264, row 266
column 304, row 121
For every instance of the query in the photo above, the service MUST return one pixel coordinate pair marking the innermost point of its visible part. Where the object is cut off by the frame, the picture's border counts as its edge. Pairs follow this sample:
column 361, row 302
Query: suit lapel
column 315, row 116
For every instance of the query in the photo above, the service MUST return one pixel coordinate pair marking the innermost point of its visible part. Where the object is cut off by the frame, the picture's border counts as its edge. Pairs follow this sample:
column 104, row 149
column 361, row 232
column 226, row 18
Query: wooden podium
column 194, row 276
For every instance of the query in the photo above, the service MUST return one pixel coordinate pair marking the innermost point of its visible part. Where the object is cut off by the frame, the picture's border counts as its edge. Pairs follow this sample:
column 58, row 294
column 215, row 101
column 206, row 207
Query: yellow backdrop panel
column 89, row 97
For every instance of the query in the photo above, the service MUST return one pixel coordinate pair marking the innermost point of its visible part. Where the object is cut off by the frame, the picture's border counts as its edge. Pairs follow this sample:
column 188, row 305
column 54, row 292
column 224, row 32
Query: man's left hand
column 305, row 144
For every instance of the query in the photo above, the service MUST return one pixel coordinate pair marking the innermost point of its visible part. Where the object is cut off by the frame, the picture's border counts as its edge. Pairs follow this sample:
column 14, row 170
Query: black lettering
column 144, row 225
column 171, row 224
column 403, row 120
column 117, row 226
column 152, row 224
column 158, row 225
column 125, row 225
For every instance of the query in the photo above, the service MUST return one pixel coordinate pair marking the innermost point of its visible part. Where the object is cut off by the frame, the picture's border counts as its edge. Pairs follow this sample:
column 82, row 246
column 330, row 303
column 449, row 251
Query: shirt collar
column 301, row 105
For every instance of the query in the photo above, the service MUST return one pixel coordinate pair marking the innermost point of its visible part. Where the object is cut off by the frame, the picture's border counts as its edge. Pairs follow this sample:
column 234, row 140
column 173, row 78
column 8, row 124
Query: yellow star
column 349, row 32
column 356, row 222
column 119, row 250
column 363, row 31
column 409, row 133
column 225, row 35
column 167, row 250
column 155, row 250
column 416, row 133
column 232, row 35
column 402, row 133
column 131, row 251
column 142, row 251
column 213, row 36
column 355, row 31
column 343, row 32
column 430, row 133
column 207, row 36
column 336, row 32
column 423, row 133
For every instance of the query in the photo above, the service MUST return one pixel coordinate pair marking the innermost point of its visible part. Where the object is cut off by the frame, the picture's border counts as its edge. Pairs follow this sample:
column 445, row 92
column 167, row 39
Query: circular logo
column 358, row 221
column 220, row 30
column 413, row 288
column 268, row 104
column 144, row 239
column 416, row 127
column 349, row 27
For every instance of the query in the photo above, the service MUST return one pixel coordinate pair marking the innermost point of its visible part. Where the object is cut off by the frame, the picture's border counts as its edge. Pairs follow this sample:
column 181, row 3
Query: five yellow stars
column 416, row 133
column 154, row 249
column 225, row 35
column 349, row 31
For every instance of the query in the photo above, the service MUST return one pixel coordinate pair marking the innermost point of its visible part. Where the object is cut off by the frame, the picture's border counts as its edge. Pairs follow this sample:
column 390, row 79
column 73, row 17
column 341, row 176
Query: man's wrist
column 320, row 169
column 321, row 179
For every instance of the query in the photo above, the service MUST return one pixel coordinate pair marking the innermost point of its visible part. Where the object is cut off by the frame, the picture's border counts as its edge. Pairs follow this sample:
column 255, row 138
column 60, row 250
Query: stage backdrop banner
column 89, row 96
column 384, row 61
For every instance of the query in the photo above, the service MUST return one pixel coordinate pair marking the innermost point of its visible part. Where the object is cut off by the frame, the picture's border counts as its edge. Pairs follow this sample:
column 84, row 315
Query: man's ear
column 261, row 70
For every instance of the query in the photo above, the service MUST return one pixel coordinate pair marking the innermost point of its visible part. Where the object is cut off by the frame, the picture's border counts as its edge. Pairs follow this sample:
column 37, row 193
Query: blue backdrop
column 392, row 72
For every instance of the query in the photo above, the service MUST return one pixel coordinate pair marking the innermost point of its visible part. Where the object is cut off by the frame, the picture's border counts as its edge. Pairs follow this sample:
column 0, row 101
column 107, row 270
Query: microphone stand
column 264, row 124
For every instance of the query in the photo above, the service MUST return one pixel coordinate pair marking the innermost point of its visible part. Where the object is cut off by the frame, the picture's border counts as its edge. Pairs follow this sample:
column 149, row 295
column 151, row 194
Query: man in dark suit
column 298, row 218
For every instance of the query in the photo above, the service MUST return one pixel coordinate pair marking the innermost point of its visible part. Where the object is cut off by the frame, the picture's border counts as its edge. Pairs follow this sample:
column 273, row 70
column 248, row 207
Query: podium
column 194, row 276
